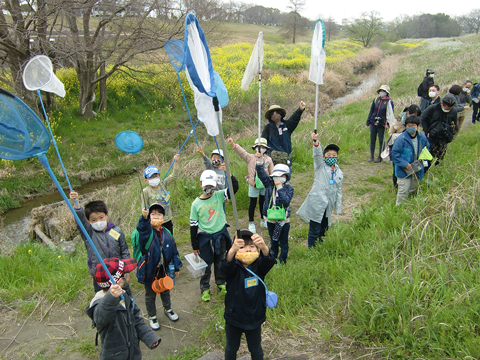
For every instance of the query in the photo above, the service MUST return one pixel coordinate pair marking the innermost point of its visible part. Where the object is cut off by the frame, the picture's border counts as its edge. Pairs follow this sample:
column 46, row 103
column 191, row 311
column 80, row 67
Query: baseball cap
column 117, row 267
column 156, row 206
column 217, row 151
column 208, row 177
column 449, row 100
column 331, row 147
column 149, row 171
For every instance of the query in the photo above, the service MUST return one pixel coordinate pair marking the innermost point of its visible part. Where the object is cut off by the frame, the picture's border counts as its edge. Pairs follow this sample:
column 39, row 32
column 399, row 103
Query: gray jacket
column 324, row 196
column 120, row 327
column 109, row 244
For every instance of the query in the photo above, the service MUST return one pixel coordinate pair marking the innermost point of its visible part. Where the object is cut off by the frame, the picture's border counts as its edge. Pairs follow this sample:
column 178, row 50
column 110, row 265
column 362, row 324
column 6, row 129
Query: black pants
column 374, row 132
column 317, row 230
column 475, row 113
column 253, row 204
column 254, row 342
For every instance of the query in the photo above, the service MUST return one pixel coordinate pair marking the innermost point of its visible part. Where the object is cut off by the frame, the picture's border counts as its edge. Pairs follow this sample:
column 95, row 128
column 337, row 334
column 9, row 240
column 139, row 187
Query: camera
column 377, row 121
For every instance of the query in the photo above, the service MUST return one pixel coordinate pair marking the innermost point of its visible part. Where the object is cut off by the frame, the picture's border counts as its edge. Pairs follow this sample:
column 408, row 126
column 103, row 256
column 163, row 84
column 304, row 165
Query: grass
column 396, row 282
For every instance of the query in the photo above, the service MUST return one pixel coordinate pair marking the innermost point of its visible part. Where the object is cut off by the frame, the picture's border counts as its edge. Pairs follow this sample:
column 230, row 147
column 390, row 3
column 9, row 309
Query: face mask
column 154, row 182
column 156, row 222
column 382, row 93
column 281, row 178
column 445, row 110
column 216, row 162
column 431, row 75
column 208, row 191
column 465, row 89
column 330, row 161
column 262, row 150
column 99, row 225
column 246, row 258
column 432, row 94
column 411, row 130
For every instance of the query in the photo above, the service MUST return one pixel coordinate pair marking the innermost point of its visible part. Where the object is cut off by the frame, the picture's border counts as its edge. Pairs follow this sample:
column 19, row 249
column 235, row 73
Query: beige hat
column 384, row 88
column 276, row 108
column 263, row 142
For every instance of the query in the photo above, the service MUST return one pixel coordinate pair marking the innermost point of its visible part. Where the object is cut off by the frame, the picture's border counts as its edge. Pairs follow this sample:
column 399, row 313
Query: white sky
column 390, row 9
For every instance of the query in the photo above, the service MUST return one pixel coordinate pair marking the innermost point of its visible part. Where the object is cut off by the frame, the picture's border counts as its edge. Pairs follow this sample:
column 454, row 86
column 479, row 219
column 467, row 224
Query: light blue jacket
column 403, row 154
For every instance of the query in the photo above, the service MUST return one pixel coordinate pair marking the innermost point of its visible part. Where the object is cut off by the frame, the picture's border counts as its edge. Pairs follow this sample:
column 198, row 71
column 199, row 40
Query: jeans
column 254, row 342
column 475, row 113
column 317, row 230
column 374, row 131
column 282, row 242
column 150, row 296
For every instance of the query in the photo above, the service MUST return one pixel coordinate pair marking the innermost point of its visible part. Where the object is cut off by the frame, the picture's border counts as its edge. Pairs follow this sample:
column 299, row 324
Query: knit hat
column 117, row 267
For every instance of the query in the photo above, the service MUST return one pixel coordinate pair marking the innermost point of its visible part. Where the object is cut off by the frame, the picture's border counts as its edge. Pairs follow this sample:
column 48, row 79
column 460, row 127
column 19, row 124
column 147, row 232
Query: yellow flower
column 59, row 256
column 29, row 251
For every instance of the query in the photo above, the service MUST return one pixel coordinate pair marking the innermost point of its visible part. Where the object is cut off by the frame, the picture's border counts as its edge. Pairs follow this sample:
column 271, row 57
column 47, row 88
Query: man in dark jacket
column 277, row 131
column 438, row 123
column 424, row 87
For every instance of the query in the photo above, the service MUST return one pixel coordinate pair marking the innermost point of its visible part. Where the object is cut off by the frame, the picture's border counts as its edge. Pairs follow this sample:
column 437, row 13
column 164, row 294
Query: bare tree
column 331, row 29
column 470, row 22
column 294, row 24
column 363, row 29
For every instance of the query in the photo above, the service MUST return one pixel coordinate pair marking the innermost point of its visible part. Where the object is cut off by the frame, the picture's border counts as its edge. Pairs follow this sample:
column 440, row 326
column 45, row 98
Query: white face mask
column 432, row 94
column 99, row 225
column 465, row 89
column 431, row 75
column 382, row 93
column 281, row 178
column 445, row 110
column 262, row 150
column 154, row 182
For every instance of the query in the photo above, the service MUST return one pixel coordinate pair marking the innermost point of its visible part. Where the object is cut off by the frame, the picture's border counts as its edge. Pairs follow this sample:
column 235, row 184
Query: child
column 157, row 192
column 208, row 231
column 245, row 302
column 109, row 240
column 118, row 321
column 162, row 247
column 278, row 192
column 326, row 191
column 217, row 164
column 255, row 186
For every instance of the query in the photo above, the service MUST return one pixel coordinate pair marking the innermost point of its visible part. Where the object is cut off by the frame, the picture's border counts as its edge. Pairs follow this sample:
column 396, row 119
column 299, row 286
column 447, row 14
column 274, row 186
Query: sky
column 339, row 9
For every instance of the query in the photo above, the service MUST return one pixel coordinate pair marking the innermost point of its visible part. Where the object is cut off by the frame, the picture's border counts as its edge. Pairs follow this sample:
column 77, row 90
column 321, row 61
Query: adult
column 475, row 95
column 399, row 127
column 278, row 131
column 463, row 103
column 424, row 87
column 438, row 123
column 377, row 120
column 405, row 153
column 434, row 95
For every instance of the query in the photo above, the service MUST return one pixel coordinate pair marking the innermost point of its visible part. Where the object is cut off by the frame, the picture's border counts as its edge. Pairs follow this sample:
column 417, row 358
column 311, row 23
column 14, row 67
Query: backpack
column 280, row 157
column 475, row 92
column 137, row 251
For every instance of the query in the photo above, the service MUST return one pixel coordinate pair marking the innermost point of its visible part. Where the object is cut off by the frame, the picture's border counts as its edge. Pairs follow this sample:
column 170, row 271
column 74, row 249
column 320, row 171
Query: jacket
column 161, row 195
column 282, row 142
column 221, row 180
column 403, row 154
column 438, row 125
column 379, row 109
column 283, row 195
column 245, row 308
column 152, row 257
column 323, row 197
column 424, row 86
column 120, row 327
column 251, row 161
column 109, row 243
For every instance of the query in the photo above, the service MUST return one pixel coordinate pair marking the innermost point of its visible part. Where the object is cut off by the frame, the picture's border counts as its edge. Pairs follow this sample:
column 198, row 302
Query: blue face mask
column 411, row 130
column 330, row 161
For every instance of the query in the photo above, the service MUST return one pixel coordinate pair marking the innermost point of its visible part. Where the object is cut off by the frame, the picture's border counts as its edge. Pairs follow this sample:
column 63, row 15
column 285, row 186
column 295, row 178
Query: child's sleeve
column 143, row 331
column 194, row 227
column 228, row 268
column 81, row 215
column 242, row 153
column 144, row 230
column 317, row 156
column 338, row 201
column 234, row 184
column 207, row 163
column 285, row 195
column 172, row 177
column 176, row 257
column 263, row 176
column 105, row 310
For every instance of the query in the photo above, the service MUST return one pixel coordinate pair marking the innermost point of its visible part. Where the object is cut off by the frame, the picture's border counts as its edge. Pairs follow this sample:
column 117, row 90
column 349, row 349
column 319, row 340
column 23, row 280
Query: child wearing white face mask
column 108, row 238
column 157, row 191
column 255, row 186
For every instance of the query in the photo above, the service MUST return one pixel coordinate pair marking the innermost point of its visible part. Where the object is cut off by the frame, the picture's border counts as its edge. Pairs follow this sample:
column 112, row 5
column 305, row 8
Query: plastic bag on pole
column 318, row 56
column 255, row 63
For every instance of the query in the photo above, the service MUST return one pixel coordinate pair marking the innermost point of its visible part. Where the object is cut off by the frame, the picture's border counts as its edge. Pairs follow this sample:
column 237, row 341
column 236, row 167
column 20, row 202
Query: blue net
column 175, row 53
column 129, row 142
column 22, row 133
column 222, row 93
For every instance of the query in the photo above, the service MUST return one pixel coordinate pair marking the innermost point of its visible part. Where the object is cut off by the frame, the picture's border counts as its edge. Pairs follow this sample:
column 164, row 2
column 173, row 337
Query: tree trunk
column 103, row 89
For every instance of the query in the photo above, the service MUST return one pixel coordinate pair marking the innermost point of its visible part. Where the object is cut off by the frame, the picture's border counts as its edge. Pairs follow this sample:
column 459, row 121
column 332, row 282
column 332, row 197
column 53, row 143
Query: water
column 15, row 222
column 366, row 86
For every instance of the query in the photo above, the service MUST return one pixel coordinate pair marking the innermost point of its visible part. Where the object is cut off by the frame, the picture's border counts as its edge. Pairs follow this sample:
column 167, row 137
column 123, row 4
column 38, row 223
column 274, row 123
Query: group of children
column 245, row 299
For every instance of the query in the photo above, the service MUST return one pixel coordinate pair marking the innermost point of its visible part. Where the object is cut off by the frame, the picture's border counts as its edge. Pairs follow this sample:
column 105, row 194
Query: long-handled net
column 23, row 135
column 317, row 61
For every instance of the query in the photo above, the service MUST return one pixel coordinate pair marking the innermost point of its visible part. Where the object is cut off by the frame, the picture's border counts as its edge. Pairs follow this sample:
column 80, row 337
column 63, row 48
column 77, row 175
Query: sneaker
column 251, row 227
column 153, row 323
column 223, row 289
column 370, row 158
column 263, row 223
column 206, row 295
column 171, row 315
column 378, row 159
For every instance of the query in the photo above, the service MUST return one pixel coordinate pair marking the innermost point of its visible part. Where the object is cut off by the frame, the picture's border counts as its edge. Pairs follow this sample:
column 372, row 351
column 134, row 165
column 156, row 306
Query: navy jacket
column 403, row 154
column 245, row 307
column 379, row 109
column 282, row 142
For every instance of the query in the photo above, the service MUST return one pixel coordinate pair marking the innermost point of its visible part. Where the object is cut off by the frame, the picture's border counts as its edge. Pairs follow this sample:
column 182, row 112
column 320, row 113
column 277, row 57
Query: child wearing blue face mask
column 108, row 238
column 326, row 193
column 278, row 193
column 208, row 231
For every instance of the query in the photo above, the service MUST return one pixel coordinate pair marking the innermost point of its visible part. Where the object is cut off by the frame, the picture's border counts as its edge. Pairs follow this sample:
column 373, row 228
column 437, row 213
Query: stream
column 15, row 222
